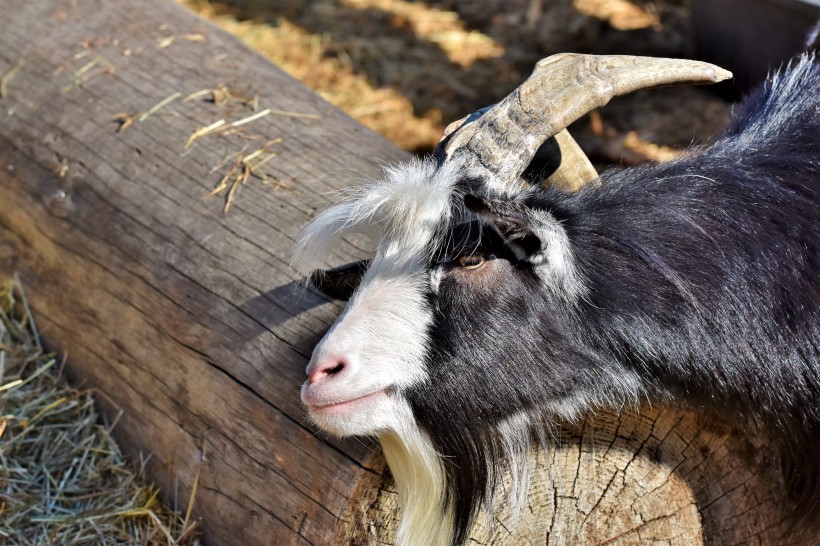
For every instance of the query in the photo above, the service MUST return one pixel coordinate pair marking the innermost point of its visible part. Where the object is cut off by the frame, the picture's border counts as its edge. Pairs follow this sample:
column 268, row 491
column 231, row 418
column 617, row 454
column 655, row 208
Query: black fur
column 703, row 279
column 341, row 282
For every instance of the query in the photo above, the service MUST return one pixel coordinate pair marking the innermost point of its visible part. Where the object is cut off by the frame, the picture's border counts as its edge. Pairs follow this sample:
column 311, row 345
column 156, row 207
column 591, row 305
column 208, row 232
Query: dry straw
column 63, row 479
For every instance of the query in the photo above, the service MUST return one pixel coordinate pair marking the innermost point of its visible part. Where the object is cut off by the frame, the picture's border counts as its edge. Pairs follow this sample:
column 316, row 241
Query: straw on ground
column 63, row 480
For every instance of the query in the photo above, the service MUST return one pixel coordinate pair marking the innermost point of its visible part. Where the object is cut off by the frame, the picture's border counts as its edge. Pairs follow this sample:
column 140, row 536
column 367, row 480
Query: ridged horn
column 499, row 144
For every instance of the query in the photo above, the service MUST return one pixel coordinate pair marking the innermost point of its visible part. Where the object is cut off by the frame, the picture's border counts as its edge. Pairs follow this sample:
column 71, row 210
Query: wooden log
column 189, row 321
column 654, row 476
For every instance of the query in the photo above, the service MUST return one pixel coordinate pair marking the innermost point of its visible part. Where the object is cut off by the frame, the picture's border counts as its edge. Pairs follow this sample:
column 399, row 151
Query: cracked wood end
column 657, row 476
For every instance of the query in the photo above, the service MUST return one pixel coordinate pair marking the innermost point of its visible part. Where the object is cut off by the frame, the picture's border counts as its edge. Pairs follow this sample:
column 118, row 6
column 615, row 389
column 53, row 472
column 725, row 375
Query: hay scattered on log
column 63, row 480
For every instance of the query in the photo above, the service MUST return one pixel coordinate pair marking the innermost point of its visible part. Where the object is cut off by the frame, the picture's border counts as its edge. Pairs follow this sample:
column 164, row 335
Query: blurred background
column 408, row 68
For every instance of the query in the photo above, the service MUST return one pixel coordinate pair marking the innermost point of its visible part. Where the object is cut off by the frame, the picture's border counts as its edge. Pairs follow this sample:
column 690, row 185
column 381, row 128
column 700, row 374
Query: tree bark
column 189, row 321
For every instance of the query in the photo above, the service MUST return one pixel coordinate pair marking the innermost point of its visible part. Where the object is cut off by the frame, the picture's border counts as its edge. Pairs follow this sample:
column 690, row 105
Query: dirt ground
column 406, row 69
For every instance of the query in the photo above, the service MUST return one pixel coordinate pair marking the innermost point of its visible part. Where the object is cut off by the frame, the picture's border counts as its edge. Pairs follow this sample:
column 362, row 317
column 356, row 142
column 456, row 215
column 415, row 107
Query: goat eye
column 471, row 262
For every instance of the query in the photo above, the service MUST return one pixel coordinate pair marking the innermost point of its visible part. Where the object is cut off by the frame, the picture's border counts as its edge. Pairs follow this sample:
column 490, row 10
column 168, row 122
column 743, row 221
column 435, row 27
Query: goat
column 490, row 305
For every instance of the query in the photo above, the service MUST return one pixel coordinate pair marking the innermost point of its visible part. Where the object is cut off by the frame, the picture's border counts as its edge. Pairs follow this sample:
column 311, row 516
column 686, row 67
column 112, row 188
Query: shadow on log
column 189, row 321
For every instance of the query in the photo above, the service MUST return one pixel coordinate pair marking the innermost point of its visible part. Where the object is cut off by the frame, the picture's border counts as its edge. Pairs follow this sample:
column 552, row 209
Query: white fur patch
column 556, row 264
column 401, row 213
column 382, row 336
column 516, row 440
column 419, row 476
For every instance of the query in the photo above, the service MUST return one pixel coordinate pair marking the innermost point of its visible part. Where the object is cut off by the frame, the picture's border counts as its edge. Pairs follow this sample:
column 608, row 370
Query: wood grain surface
column 187, row 319
column 654, row 476
column 189, row 322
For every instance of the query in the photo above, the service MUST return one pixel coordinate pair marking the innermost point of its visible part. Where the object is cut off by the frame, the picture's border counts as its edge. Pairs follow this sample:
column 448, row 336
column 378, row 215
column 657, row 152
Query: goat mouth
column 346, row 405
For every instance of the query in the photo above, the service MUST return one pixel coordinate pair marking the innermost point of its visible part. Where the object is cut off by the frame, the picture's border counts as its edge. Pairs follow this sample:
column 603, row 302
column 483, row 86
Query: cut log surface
column 189, row 321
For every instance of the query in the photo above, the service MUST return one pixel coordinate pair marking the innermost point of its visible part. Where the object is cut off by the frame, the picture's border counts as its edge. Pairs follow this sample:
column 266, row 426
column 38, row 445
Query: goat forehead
column 414, row 213
column 402, row 213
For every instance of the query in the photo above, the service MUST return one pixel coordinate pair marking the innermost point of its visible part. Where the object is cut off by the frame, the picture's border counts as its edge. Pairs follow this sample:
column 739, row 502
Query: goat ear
column 527, row 231
column 340, row 282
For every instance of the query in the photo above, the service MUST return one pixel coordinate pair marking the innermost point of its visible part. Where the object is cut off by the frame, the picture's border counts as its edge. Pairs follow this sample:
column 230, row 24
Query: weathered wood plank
column 186, row 318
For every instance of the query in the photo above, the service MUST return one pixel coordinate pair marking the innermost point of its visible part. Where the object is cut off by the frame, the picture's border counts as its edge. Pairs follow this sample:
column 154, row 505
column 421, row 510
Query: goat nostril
column 326, row 370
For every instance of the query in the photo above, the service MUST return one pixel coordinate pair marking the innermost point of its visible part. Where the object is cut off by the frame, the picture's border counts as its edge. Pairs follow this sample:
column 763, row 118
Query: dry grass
column 63, row 480
column 620, row 14
column 304, row 55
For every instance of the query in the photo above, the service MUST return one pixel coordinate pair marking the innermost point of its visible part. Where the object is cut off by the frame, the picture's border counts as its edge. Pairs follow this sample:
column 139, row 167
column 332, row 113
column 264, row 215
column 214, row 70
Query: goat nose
column 325, row 370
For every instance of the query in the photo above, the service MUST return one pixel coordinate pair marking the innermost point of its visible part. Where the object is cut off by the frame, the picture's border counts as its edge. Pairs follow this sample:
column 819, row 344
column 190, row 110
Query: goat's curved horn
column 500, row 144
